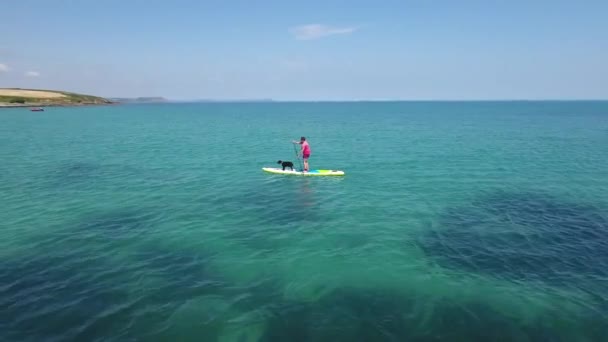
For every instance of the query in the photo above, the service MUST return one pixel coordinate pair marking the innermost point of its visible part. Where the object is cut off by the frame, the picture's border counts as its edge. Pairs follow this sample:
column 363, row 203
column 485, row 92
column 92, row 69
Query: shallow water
column 455, row 221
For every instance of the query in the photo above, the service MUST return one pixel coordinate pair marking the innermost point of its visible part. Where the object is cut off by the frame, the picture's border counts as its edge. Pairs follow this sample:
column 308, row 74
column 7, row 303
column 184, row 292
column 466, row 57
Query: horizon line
column 262, row 100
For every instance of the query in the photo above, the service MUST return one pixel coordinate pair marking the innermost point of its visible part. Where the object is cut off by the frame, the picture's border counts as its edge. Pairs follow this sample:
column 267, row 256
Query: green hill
column 35, row 97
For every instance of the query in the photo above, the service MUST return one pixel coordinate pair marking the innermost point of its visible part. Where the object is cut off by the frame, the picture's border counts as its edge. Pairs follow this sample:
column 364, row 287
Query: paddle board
column 300, row 173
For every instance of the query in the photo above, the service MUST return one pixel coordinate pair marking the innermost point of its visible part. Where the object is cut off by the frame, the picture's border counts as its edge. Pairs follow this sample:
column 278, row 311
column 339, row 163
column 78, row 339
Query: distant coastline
column 150, row 99
column 17, row 97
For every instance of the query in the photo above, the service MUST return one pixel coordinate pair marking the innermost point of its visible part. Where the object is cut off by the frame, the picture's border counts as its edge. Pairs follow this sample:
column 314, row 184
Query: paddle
column 298, row 157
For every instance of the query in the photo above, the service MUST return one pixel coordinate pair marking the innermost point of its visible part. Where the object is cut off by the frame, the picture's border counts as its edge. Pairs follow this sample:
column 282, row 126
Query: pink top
column 305, row 148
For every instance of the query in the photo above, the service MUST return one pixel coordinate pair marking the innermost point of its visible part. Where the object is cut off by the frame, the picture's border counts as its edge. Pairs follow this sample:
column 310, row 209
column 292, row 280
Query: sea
column 454, row 221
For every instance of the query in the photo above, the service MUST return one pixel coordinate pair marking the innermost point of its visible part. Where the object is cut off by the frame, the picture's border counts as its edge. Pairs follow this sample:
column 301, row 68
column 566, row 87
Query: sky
column 308, row 50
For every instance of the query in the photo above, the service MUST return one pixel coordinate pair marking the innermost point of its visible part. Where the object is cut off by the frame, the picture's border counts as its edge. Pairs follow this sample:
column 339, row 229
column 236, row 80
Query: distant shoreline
column 279, row 102
column 17, row 97
column 29, row 98
column 219, row 101
column 44, row 105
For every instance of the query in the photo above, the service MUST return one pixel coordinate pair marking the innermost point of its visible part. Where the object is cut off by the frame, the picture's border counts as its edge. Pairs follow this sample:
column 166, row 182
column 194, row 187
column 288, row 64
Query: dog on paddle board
column 286, row 164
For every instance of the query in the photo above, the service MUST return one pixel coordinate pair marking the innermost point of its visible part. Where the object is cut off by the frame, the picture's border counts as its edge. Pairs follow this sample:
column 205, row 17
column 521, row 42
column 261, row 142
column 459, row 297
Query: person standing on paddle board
column 305, row 151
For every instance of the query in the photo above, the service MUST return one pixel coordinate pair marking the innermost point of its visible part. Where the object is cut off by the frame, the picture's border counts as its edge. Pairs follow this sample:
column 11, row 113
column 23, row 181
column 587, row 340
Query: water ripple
column 156, row 223
column 523, row 236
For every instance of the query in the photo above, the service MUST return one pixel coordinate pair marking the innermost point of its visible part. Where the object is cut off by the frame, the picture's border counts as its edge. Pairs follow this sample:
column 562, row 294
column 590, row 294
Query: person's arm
column 301, row 147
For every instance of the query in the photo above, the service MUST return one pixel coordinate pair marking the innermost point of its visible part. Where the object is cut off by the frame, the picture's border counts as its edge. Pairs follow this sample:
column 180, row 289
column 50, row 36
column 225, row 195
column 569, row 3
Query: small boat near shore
column 37, row 109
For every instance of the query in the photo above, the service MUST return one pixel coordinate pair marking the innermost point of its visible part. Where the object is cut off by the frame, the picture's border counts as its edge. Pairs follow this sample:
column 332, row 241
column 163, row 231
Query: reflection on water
column 306, row 194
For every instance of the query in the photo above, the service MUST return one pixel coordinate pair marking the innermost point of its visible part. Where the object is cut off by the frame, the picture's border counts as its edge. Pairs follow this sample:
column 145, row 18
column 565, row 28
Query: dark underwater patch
column 120, row 223
column 522, row 236
column 78, row 175
column 77, row 169
column 368, row 315
column 77, row 294
column 261, row 239
column 56, row 298
column 268, row 210
column 287, row 206
column 75, row 173
column 186, row 275
column 282, row 201
column 178, row 276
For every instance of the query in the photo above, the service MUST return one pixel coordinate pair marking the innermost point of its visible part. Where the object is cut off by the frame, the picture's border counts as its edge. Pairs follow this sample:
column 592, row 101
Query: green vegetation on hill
column 67, row 99
column 79, row 98
column 14, row 99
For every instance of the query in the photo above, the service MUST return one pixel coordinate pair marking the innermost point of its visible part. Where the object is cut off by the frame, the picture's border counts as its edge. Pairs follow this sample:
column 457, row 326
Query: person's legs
column 305, row 163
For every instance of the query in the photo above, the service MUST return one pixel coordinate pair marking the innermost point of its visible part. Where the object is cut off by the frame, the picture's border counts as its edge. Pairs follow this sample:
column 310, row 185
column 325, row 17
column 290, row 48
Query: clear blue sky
column 308, row 50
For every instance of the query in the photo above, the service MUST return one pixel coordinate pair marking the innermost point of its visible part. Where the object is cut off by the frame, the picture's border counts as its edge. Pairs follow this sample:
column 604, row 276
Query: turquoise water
column 455, row 221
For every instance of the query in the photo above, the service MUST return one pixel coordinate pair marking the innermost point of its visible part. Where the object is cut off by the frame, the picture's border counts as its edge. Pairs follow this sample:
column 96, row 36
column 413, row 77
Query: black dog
column 286, row 164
